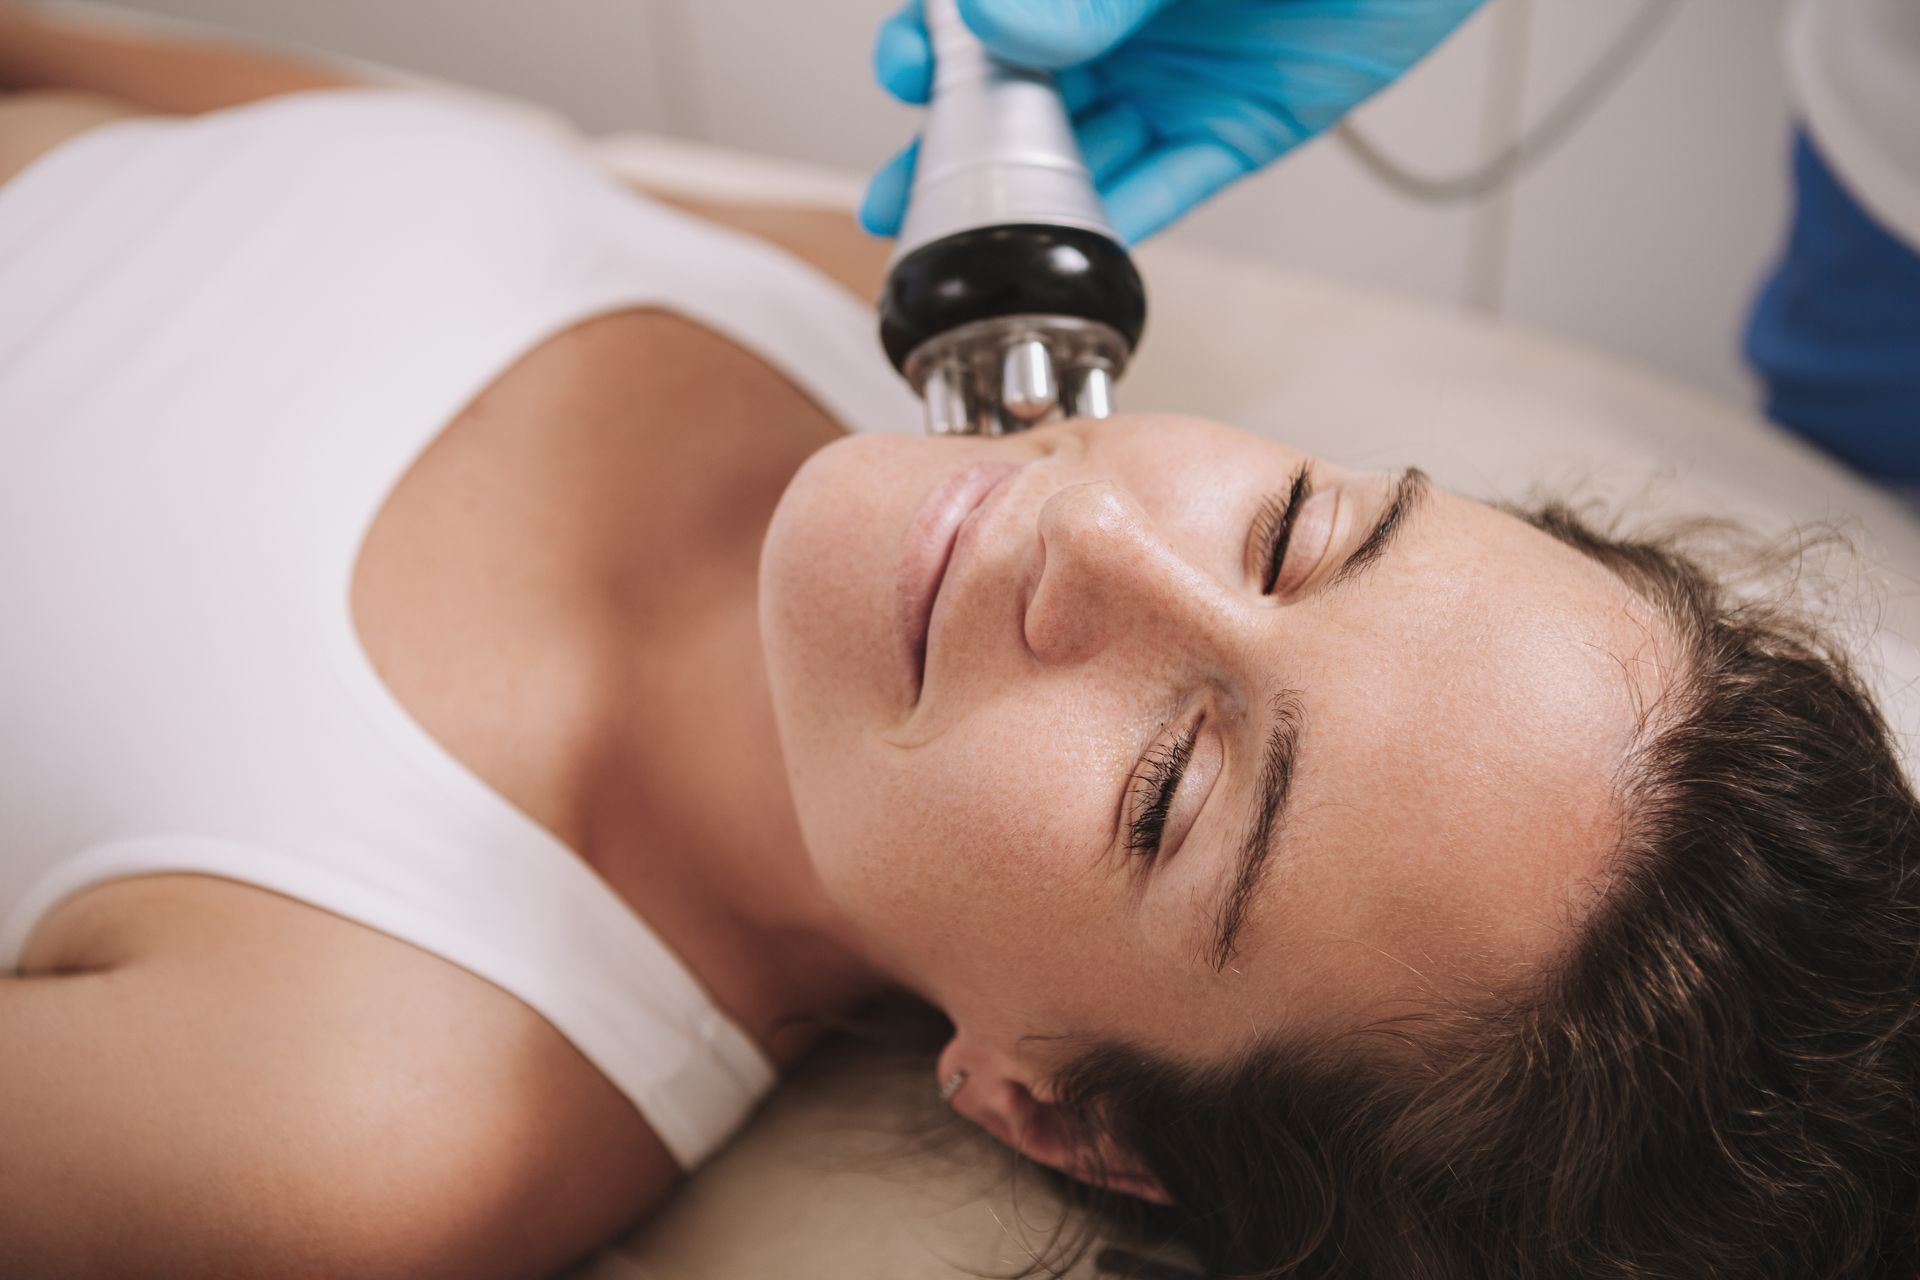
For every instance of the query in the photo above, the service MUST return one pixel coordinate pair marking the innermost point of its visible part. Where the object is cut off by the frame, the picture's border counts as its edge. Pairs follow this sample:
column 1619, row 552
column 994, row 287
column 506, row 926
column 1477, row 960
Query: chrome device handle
column 1010, row 300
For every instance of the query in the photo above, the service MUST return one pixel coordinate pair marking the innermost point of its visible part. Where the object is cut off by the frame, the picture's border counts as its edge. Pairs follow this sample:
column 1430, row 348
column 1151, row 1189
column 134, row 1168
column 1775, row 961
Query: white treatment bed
column 831, row 1181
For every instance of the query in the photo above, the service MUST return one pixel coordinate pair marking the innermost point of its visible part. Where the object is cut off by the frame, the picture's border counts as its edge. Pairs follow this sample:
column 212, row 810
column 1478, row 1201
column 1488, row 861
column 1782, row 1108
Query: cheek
column 824, row 589
column 994, row 836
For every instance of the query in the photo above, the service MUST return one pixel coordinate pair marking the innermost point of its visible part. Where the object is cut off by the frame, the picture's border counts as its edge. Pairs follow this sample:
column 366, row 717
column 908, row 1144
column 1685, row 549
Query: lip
column 929, row 550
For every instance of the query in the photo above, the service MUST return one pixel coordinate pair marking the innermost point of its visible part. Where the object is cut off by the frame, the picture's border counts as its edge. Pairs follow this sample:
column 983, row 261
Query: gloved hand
column 1174, row 99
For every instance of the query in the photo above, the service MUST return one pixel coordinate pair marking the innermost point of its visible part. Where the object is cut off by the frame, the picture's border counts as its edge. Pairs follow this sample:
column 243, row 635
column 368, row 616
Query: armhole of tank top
column 747, row 1070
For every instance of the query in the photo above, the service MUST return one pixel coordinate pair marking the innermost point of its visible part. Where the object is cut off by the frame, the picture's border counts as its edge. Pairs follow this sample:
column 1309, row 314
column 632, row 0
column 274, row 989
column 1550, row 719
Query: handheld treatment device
column 1010, row 300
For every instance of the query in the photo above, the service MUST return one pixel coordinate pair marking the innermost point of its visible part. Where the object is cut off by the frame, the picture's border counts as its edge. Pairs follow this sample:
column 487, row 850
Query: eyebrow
column 1281, row 757
column 1410, row 490
column 1258, row 844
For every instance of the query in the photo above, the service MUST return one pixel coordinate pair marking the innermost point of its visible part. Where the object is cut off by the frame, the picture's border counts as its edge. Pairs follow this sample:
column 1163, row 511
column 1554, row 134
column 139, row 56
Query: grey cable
column 1523, row 154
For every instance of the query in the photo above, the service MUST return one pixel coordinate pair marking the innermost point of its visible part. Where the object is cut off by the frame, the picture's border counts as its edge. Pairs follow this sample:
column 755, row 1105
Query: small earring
column 951, row 1085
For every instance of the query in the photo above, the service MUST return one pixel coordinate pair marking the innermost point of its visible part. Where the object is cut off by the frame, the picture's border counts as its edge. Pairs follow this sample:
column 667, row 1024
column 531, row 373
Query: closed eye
column 1273, row 528
column 1155, row 782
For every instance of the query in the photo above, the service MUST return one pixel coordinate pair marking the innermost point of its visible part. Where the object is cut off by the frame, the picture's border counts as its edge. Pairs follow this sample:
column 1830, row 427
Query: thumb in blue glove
column 1175, row 99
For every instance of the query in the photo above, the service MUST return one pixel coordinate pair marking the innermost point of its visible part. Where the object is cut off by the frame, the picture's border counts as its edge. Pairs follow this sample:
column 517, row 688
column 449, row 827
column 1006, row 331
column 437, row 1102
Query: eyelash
column 1155, row 782
column 1273, row 528
column 1157, row 779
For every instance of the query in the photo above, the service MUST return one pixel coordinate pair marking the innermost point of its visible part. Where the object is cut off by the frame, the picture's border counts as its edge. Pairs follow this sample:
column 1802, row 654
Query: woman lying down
column 483, row 686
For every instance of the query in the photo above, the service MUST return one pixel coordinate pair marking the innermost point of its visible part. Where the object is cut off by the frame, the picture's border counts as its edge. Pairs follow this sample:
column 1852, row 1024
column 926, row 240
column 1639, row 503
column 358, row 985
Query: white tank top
column 222, row 342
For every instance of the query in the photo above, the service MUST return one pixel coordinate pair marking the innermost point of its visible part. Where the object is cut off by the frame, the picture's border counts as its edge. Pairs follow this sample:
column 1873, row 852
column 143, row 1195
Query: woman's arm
column 170, row 76
column 142, row 1137
column 32, row 124
column 213, row 1080
column 185, row 78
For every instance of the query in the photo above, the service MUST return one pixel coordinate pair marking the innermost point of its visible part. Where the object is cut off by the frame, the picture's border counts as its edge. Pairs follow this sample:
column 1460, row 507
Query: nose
column 1109, row 578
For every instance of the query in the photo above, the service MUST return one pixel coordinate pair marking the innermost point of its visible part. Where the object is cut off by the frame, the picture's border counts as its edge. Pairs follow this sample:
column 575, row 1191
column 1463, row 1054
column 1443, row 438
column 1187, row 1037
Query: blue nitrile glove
column 1174, row 99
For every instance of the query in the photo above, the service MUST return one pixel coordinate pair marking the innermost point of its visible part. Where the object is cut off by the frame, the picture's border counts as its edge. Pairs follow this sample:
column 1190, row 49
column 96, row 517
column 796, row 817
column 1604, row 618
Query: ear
column 1010, row 1104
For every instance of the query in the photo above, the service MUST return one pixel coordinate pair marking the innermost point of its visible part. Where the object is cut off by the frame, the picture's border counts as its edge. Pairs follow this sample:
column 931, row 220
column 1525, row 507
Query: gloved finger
column 885, row 204
column 1078, row 88
column 903, row 63
column 1203, row 98
column 902, row 56
column 1059, row 34
column 1166, row 183
column 1112, row 136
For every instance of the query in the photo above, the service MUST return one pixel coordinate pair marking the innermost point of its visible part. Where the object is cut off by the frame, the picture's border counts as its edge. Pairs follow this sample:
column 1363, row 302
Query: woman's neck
column 683, row 794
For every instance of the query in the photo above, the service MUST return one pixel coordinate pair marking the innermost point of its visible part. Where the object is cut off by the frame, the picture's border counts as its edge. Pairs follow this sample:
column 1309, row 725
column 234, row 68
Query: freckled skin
column 1466, row 705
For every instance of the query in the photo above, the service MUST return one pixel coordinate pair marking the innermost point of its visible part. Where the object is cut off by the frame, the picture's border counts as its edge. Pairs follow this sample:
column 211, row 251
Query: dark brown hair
column 1720, row 1077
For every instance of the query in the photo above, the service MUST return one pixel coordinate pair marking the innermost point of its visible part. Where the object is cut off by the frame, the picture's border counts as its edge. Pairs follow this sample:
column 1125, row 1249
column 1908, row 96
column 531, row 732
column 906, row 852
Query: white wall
column 1645, row 235
column 1649, row 234
column 593, row 58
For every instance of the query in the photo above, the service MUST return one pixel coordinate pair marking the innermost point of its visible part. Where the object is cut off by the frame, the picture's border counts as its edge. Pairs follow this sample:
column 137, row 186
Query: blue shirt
column 1835, row 335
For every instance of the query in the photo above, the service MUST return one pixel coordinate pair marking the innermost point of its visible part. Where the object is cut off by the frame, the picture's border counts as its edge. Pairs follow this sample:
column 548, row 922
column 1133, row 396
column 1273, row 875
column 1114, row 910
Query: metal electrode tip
column 1011, row 300
column 1011, row 373
column 1090, row 391
column 1028, row 389
column 945, row 393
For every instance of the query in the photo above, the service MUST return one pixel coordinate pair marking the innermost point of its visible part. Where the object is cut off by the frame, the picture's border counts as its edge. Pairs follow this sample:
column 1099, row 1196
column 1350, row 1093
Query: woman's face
column 1062, row 713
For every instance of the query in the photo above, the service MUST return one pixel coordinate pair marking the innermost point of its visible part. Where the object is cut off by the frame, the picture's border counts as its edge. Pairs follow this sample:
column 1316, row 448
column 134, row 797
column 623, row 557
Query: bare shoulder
column 317, row 1085
column 35, row 122
column 828, row 240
